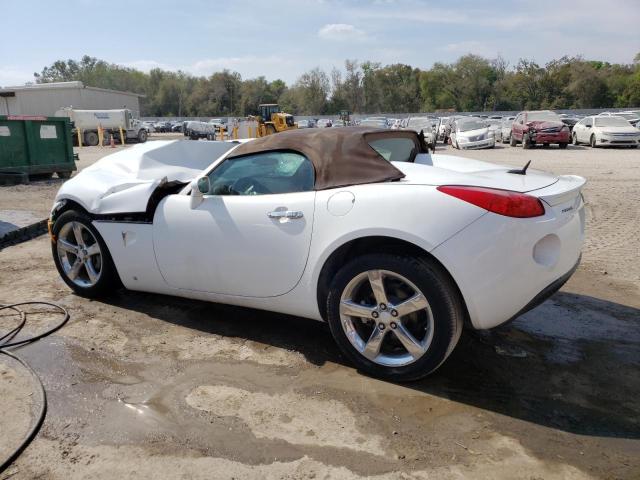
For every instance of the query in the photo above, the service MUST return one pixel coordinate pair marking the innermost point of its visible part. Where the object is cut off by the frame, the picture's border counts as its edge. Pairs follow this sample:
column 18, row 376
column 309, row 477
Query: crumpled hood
column 541, row 124
column 124, row 181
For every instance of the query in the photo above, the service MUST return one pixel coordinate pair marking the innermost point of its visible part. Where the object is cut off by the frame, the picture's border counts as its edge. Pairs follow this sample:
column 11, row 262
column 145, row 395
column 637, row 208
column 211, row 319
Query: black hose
column 5, row 342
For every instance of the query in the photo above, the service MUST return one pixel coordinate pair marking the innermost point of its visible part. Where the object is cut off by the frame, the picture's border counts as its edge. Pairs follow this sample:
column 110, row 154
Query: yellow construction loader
column 272, row 120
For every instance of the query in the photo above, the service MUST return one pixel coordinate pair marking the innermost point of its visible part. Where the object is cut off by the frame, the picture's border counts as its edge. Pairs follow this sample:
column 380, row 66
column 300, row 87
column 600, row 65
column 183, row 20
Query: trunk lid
column 561, row 193
column 451, row 170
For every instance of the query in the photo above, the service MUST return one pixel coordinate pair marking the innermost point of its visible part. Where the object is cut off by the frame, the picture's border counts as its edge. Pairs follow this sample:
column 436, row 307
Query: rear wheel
column 81, row 256
column 91, row 139
column 393, row 316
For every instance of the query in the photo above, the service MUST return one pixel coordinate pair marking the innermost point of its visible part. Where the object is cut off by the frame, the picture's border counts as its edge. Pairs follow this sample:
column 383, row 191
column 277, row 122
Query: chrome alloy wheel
column 386, row 318
column 79, row 254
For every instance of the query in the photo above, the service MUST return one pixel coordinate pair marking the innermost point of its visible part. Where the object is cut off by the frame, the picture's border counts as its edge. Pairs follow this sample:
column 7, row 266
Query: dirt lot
column 146, row 386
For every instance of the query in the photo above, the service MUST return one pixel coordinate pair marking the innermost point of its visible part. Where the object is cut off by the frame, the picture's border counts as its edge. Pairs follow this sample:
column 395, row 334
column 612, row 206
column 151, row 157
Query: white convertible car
column 395, row 248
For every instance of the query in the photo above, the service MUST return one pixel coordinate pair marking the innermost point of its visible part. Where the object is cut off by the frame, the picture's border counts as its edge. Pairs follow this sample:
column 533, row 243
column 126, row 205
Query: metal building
column 46, row 98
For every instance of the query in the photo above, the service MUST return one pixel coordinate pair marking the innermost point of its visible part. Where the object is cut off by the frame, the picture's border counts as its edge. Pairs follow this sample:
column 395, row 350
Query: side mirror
column 588, row 125
column 203, row 185
column 199, row 188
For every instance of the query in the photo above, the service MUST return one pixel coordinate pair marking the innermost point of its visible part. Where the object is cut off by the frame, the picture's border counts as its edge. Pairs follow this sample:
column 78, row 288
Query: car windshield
column 472, row 124
column 549, row 116
column 611, row 122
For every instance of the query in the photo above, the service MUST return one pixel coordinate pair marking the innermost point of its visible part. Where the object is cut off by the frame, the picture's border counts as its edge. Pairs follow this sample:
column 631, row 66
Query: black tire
column 563, row 145
column 526, row 143
column 91, row 139
column 592, row 141
column 142, row 136
column 108, row 280
column 64, row 175
column 439, row 290
column 512, row 141
column 574, row 138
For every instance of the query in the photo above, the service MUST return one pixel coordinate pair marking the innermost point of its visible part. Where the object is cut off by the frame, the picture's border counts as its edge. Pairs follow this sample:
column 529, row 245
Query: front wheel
column 81, row 256
column 393, row 316
column 525, row 141
column 142, row 136
column 592, row 141
column 512, row 141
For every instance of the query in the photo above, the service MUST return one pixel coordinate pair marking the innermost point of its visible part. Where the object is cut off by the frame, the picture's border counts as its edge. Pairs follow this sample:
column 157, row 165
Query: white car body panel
column 228, row 244
column 226, row 249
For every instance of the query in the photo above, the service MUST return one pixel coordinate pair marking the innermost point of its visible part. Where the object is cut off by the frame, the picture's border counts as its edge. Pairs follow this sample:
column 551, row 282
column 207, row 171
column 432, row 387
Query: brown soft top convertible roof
column 340, row 156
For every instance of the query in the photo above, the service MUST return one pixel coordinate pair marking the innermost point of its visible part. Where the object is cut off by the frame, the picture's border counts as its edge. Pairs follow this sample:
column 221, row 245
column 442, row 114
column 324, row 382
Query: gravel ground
column 146, row 386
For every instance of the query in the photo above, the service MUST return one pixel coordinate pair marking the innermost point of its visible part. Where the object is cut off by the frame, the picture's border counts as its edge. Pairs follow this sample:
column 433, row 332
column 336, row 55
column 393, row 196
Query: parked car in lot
column 471, row 132
column 324, row 123
column 196, row 130
column 149, row 127
column 428, row 125
column 505, row 129
column 407, row 247
column 304, row 124
column 605, row 131
column 541, row 127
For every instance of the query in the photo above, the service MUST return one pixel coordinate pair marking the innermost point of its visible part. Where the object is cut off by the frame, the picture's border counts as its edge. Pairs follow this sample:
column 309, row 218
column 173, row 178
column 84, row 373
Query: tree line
column 472, row 83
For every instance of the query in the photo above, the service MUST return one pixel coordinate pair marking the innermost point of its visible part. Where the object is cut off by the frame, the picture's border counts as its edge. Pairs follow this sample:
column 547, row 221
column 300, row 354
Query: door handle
column 285, row 214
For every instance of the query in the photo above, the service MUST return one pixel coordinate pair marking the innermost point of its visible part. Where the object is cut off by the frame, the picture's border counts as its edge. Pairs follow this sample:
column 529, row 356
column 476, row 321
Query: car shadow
column 570, row 364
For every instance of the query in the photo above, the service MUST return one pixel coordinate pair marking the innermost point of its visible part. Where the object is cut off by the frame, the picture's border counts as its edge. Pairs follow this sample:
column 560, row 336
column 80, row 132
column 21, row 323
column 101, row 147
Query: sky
column 285, row 38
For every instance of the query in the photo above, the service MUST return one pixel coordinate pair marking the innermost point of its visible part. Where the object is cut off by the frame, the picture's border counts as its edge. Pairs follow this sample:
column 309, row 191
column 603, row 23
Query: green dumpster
column 36, row 145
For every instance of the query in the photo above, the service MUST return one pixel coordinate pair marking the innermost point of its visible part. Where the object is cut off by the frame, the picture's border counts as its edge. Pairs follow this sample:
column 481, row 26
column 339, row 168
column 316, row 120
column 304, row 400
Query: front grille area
column 476, row 138
column 550, row 130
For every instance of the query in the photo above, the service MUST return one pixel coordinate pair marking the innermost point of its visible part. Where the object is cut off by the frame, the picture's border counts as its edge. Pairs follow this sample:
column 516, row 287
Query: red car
column 542, row 127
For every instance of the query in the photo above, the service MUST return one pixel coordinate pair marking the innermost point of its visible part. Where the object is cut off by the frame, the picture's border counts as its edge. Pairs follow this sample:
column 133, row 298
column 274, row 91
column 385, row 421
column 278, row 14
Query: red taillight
column 502, row 202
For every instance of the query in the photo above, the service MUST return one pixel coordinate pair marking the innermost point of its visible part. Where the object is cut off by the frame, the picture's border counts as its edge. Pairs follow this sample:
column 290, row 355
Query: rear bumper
column 504, row 266
column 546, row 292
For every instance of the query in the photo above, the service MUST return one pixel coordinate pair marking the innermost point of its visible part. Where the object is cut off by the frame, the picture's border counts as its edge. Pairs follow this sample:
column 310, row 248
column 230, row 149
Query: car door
column 578, row 129
column 249, row 235
column 516, row 128
column 585, row 131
